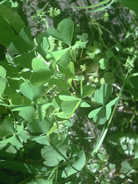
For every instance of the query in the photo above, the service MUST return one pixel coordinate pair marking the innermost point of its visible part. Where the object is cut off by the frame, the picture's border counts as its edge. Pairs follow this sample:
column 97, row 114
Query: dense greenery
column 68, row 96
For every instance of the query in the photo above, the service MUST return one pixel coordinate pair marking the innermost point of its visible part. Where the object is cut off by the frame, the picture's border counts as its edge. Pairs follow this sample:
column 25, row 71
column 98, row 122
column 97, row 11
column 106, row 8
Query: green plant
column 42, row 86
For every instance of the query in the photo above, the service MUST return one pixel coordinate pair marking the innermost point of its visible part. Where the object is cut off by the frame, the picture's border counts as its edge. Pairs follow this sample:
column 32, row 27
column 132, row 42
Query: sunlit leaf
column 2, row 86
column 68, row 98
column 102, row 95
column 2, row 72
column 84, row 104
column 64, row 31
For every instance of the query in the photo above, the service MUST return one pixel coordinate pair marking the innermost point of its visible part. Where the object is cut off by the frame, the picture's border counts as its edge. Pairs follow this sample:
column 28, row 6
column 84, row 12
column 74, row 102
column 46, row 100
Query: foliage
column 46, row 80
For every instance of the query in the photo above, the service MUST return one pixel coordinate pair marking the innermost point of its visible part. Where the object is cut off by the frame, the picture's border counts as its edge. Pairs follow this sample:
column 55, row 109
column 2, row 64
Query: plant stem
column 106, row 127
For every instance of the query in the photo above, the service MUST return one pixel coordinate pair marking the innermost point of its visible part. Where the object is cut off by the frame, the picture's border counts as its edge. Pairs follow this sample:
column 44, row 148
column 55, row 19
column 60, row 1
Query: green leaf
column 41, row 74
column 20, row 133
column 2, row 86
column 62, row 115
column 31, row 92
column 42, row 110
column 132, row 87
column 84, row 104
column 42, row 44
column 108, row 107
column 12, row 18
column 109, row 77
column 13, row 141
column 133, row 4
column 136, row 149
column 68, row 98
column 62, row 56
column 65, row 59
column 98, row 115
column 7, row 34
column 37, row 126
column 108, row 111
column 41, row 139
column 26, row 112
column 103, row 63
column 53, row 155
column 40, row 181
column 6, row 127
column 22, row 167
column 83, row 37
column 59, row 82
column 94, row 113
column 22, row 42
column 125, row 167
column 69, row 107
column 102, row 95
column 52, row 129
column 135, row 163
column 24, row 60
column 2, row 72
column 68, row 71
column 87, row 91
column 64, row 31
column 76, row 163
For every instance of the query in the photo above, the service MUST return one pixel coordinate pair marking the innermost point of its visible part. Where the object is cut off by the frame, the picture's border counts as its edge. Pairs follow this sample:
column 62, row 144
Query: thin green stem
column 106, row 127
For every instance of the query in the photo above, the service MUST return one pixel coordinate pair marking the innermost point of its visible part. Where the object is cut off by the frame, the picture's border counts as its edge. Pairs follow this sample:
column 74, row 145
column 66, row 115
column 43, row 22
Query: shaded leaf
column 63, row 56
column 69, row 107
column 12, row 17
column 76, row 163
column 87, row 91
column 6, row 127
column 22, row 167
column 125, row 167
column 42, row 44
column 22, row 42
column 24, row 60
column 31, row 92
column 7, row 34
column 133, row 4
column 41, row 74
column 42, row 110
column 26, row 112
column 37, row 126
column 53, row 156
